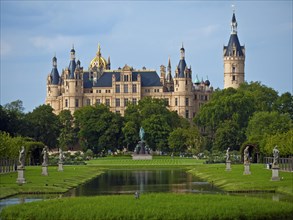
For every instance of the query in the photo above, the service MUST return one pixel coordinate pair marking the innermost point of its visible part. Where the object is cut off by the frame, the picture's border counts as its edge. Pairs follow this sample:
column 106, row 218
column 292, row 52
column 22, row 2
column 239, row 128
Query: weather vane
column 233, row 7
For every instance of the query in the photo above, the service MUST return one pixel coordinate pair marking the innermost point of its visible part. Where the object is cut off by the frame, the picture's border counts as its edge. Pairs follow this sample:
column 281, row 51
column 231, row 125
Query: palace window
column 186, row 101
column 134, row 88
column 117, row 88
column 126, row 78
column 88, row 102
column 176, row 101
column 66, row 102
column 76, row 102
column 98, row 101
column 134, row 101
column 186, row 114
column 167, row 101
column 117, row 102
column 233, row 69
column 233, row 78
column 125, row 102
column 126, row 88
column 108, row 102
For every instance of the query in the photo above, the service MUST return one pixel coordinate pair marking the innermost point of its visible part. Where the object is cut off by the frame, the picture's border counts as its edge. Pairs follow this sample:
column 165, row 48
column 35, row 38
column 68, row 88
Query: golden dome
column 99, row 61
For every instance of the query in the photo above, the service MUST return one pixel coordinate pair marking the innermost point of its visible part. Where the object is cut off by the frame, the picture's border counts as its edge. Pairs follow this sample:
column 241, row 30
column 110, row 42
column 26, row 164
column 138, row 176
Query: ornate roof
column 99, row 61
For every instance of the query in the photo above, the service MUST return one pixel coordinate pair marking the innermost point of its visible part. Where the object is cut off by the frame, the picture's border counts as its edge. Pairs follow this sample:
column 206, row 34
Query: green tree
column 284, row 104
column 178, row 140
column 131, row 135
column 265, row 124
column 227, row 135
column 98, row 128
column 44, row 125
column 156, row 132
column 194, row 141
column 68, row 134
column 282, row 140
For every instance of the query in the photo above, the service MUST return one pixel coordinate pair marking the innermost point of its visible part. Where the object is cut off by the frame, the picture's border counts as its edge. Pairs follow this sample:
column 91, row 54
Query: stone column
column 60, row 166
column 45, row 170
column 246, row 169
column 20, row 179
column 228, row 165
column 275, row 173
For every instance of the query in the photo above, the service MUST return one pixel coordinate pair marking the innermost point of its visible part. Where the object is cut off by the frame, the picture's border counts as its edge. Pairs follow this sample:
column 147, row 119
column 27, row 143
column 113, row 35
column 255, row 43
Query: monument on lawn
column 45, row 161
column 141, row 152
column 20, row 169
column 275, row 166
column 60, row 162
column 246, row 161
column 228, row 161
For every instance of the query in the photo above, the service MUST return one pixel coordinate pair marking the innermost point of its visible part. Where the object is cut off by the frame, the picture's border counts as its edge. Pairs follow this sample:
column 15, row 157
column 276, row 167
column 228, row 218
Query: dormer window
column 125, row 78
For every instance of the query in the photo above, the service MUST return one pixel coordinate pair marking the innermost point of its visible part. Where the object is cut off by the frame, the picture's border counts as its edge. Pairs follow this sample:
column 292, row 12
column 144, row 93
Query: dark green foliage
column 68, row 135
column 44, row 125
column 98, row 128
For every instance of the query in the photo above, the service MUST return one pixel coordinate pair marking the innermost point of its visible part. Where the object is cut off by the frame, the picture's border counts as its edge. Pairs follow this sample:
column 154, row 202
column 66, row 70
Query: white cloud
column 52, row 43
column 5, row 48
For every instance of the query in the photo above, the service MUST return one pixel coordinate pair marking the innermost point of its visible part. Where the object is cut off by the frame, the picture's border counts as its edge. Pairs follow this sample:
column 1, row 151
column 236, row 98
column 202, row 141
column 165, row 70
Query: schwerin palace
column 76, row 87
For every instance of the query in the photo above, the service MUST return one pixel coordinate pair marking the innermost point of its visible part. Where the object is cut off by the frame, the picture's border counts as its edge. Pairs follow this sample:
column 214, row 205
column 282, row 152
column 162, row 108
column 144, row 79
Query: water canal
column 118, row 181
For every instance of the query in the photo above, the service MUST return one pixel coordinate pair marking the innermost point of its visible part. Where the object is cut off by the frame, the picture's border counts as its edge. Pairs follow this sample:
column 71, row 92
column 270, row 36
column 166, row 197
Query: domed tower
column 234, row 59
column 98, row 65
column 183, row 74
column 53, row 86
column 72, row 87
column 183, row 88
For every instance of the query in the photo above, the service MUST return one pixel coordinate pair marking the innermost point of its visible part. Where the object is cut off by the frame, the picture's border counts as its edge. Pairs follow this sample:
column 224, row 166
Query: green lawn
column 234, row 180
column 157, row 161
column 55, row 182
column 151, row 206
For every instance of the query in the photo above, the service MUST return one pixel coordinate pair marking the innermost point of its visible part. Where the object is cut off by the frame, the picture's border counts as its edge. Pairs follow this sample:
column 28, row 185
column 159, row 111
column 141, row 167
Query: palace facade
column 76, row 87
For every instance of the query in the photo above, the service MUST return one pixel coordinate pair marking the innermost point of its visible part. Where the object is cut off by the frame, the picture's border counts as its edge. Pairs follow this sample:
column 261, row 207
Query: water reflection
column 20, row 199
column 130, row 181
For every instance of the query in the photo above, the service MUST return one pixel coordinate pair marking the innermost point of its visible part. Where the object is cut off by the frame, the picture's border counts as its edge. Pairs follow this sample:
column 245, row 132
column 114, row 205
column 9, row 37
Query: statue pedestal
column 142, row 157
column 228, row 165
column 20, row 179
column 275, row 173
column 246, row 169
column 45, row 170
column 60, row 166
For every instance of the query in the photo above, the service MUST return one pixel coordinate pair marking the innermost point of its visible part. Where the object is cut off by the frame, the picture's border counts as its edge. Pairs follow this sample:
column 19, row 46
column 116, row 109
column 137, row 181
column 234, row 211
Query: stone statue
column 45, row 156
column 276, row 156
column 228, row 154
column 22, row 157
column 61, row 155
column 246, row 155
column 141, row 133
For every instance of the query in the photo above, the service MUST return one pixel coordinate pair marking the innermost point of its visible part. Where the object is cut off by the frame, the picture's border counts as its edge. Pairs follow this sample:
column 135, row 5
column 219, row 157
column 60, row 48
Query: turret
column 234, row 59
column 169, row 78
column 72, row 64
column 53, row 86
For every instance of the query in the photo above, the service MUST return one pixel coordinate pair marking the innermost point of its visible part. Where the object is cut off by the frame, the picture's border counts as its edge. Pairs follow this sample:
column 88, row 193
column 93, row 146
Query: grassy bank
column 55, row 182
column 152, row 206
column 234, row 180
column 157, row 161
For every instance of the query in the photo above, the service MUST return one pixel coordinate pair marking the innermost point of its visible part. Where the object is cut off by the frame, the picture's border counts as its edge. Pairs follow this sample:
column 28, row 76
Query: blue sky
column 141, row 33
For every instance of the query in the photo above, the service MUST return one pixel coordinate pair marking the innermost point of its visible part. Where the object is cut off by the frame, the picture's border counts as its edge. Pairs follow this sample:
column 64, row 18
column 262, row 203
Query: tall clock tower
column 234, row 59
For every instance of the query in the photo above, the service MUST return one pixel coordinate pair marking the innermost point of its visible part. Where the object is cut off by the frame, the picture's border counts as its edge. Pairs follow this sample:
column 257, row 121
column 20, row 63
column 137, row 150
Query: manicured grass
column 55, row 182
column 157, row 161
column 234, row 180
column 151, row 206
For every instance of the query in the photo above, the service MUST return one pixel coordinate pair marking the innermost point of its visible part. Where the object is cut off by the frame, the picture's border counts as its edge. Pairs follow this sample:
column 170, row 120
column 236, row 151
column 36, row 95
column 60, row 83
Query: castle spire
column 233, row 22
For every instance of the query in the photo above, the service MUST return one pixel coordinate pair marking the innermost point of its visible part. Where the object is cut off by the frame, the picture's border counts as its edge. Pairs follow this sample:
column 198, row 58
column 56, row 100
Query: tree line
column 251, row 114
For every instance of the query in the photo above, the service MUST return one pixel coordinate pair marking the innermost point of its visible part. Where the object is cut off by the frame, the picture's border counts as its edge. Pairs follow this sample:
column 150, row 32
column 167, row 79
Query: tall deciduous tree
column 68, row 135
column 99, row 128
column 44, row 125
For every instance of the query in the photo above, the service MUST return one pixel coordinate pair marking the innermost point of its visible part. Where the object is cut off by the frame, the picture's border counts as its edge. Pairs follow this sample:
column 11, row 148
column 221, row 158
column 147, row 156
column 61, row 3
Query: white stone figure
column 61, row 155
column 246, row 155
column 228, row 154
column 22, row 157
column 276, row 156
column 45, row 156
